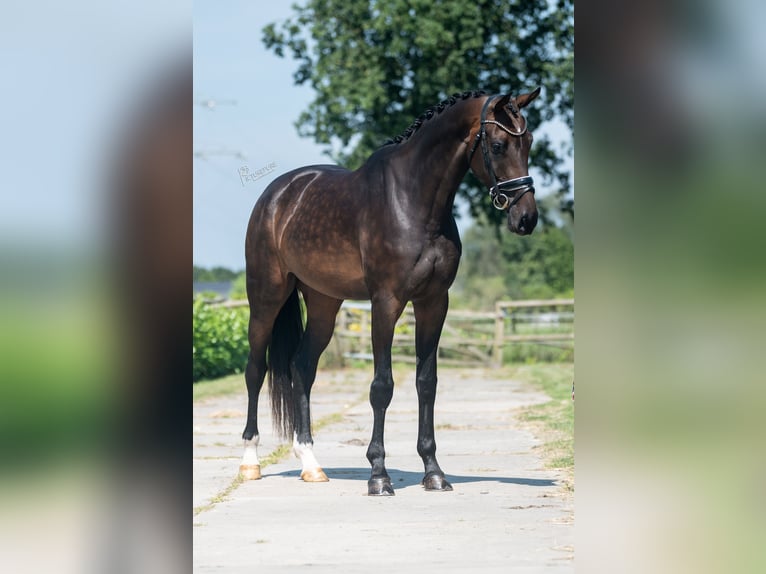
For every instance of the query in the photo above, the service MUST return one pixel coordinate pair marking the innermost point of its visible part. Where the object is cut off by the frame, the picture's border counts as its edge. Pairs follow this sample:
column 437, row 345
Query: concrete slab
column 507, row 512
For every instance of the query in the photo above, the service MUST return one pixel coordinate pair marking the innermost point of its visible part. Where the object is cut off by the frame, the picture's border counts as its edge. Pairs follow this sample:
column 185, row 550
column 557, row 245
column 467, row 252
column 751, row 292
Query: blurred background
column 95, row 243
column 671, row 111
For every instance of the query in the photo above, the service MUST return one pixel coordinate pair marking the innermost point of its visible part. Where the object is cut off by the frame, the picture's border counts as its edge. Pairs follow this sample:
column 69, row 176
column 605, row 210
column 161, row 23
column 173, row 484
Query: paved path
column 506, row 514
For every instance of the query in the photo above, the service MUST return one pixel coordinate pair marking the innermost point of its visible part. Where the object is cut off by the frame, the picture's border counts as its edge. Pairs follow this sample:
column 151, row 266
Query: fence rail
column 469, row 338
column 504, row 313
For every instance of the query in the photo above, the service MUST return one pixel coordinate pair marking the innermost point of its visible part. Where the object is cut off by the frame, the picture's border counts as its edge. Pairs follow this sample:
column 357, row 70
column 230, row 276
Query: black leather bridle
column 498, row 190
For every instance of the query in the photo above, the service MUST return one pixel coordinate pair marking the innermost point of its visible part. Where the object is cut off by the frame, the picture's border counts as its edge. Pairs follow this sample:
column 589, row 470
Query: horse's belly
column 341, row 284
column 334, row 274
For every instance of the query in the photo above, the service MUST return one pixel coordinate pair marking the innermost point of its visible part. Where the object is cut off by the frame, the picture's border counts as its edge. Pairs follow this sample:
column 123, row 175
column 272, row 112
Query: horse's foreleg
column 385, row 313
column 320, row 315
column 429, row 320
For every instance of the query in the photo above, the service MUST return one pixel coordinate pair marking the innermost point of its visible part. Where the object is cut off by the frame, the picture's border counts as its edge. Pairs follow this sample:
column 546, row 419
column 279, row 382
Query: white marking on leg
column 251, row 450
column 250, row 467
column 305, row 452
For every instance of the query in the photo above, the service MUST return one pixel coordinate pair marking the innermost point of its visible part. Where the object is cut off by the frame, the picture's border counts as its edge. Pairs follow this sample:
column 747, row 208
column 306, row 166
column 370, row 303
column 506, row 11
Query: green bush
column 220, row 340
column 530, row 353
column 239, row 288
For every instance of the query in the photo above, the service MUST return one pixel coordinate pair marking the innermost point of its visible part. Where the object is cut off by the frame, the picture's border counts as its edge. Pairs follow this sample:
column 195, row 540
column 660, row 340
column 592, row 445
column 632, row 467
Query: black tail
column 285, row 337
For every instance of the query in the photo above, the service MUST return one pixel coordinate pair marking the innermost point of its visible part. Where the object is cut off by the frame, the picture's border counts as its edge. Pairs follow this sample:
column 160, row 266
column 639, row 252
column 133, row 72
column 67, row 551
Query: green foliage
column 220, row 340
column 208, row 295
column 375, row 66
column 531, row 353
column 213, row 274
column 239, row 288
column 58, row 356
column 498, row 266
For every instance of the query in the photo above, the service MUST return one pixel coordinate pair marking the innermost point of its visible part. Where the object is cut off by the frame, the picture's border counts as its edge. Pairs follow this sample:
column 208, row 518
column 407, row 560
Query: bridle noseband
column 520, row 185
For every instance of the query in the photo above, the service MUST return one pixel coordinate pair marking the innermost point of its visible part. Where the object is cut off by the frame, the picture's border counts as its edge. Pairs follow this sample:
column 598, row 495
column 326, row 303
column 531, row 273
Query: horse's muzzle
column 525, row 224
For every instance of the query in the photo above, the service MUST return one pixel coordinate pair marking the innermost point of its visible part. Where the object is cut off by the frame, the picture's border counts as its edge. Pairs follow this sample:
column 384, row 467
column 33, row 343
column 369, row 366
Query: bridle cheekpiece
column 499, row 190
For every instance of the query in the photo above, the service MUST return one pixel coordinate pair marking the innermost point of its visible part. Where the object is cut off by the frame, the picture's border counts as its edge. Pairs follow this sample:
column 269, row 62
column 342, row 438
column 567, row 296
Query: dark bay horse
column 384, row 233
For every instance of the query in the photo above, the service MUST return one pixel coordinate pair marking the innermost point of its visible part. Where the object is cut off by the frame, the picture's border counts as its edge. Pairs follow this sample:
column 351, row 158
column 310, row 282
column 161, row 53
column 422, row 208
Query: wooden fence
column 469, row 338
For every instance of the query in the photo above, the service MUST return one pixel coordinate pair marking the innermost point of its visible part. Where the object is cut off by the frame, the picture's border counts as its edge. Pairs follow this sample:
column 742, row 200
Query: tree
column 375, row 66
column 540, row 267
column 498, row 266
column 217, row 273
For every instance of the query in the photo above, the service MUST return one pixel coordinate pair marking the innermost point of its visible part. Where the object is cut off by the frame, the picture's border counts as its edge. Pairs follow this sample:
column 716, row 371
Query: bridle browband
column 520, row 185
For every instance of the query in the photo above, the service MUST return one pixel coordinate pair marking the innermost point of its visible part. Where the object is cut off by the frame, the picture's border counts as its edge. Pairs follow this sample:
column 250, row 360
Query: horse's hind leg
column 270, row 299
column 250, row 467
column 320, row 322
column 429, row 320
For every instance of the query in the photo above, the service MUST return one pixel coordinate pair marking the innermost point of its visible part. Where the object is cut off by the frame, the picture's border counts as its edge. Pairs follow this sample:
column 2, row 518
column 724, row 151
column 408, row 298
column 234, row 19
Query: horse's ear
column 525, row 99
column 502, row 102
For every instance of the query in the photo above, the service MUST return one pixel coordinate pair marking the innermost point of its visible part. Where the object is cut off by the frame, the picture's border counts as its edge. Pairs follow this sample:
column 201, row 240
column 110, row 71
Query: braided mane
column 429, row 113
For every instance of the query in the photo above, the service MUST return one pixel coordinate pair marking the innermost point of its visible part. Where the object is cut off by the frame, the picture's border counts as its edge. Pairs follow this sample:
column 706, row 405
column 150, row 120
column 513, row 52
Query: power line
column 219, row 152
column 212, row 103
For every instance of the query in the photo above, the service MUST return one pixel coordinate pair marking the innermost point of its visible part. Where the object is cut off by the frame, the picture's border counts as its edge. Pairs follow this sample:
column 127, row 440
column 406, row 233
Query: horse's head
column 504, row 140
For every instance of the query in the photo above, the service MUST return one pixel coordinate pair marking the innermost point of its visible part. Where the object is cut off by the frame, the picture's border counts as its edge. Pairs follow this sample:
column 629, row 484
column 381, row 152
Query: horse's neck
column 430, row 167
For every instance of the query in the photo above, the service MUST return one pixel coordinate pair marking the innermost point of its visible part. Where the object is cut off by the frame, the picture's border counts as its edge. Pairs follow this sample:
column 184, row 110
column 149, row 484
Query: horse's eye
column 497, row 148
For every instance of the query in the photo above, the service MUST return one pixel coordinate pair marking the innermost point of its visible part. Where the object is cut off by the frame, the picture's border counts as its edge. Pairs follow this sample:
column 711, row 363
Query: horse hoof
column 437, row 483
column 250, row 471
column 380, row 487
column 314, row 475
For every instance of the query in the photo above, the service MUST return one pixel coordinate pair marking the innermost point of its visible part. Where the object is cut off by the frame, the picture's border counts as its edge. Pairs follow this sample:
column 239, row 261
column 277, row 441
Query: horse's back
column 285, row 192
column 287, row 187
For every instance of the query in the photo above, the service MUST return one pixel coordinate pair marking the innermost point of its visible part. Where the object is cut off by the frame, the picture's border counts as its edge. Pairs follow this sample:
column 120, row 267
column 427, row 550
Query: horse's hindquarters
column 318, row 233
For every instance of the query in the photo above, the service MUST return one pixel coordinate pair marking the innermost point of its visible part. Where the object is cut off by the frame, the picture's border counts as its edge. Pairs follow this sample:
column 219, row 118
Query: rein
column 520, row 185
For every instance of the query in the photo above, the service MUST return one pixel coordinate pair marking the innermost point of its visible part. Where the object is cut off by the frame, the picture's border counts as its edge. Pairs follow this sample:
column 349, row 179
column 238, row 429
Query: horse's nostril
column 523, row 222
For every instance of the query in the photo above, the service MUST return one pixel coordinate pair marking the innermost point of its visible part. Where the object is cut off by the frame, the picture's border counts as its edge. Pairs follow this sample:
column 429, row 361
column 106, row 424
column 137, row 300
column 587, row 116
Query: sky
column 258, row 107
column 231, row 64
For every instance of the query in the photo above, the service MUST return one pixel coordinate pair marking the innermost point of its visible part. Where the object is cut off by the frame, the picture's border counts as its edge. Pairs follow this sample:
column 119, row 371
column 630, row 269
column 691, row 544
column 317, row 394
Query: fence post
column 341, row 324
column 365, row 330
column 497, row 350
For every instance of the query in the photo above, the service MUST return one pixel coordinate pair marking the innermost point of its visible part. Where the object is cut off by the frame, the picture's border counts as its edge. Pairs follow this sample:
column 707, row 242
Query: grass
column 230, row 385
column 221, row 496
column 282, row 451
column 552, row 421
